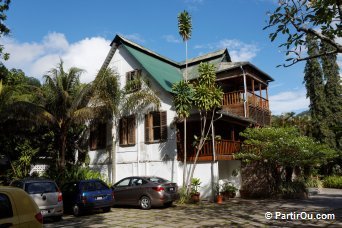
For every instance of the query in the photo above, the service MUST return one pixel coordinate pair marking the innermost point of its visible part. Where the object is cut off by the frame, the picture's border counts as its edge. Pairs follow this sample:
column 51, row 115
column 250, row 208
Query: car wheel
column 76, row 210
column 145, row 203
column 106, row 209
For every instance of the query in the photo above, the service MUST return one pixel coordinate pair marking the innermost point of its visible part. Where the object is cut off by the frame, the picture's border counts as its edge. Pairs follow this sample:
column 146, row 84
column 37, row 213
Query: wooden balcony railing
column 224, row 150
column 257, row 107
column 238, row 97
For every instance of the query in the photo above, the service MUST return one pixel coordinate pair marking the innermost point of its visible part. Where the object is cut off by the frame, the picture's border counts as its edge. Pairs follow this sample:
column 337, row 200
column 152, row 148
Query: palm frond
column 184, row 25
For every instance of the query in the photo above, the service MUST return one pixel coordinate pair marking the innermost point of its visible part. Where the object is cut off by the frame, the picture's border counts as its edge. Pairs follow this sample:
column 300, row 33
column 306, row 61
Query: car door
column 8, row 215
column 121, row 191
column 136, row 190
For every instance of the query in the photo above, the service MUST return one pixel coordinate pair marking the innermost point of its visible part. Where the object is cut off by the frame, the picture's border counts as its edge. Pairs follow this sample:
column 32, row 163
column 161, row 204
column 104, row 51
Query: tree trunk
column 62, row 149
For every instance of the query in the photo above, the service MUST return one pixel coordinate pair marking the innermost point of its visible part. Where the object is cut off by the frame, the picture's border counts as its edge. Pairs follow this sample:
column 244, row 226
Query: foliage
column 228, row 187
column 21, row 167
column 295, row 189
column 72, row 173
column 184, row 25
column 4, row 30
column 332, row 182
column 313, row 182
column 184, row 197
column 282, row 146
column 298, row 18
column 279, row 151
column 183, row 98
column 195, row 185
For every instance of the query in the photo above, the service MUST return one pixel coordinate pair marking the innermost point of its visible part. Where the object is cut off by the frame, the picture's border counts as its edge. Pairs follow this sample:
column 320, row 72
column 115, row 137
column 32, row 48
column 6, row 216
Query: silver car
column 145, row 192
column 45, row 193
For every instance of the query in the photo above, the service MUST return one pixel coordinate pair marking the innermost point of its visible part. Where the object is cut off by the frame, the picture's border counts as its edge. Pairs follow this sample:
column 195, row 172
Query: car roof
column 31, row 180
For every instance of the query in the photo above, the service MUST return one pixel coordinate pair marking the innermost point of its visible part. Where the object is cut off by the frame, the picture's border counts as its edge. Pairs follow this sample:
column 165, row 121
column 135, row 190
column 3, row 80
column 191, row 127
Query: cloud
column 36, row 59
column 289, row 101
column 171, row 39
column 238, row 50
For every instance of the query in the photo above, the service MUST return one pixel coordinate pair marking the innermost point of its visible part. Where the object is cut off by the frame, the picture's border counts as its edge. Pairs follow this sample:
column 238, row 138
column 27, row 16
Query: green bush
column 73, row 173
column 293, row 190
column 332, row 182
column 313, row 182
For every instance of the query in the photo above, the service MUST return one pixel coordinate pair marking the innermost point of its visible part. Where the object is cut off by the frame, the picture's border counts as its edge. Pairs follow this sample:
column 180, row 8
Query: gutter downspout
column 245, row 91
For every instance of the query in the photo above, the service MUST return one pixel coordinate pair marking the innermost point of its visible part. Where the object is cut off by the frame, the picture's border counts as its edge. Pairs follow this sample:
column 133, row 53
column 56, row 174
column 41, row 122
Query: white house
column 151, row 142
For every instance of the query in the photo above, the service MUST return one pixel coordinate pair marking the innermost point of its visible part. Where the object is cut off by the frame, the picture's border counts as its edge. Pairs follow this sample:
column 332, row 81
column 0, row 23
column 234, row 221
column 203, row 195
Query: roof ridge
column 146, row 50
column 204, row 56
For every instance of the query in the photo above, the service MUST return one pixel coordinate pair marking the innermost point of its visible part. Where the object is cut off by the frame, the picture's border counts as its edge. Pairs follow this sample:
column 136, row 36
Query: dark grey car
column 45, row 193
column 145, row 192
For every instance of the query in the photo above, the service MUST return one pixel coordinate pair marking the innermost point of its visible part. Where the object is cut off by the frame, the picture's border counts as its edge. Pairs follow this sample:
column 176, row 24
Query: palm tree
column 184, row 28
column 62, row 104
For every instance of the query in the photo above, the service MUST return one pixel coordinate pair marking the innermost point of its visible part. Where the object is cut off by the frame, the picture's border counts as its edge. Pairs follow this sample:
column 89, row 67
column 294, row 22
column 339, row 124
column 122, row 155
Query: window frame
column 130, row 77
column 127, row 131
column 154, row 132
column 98, row 136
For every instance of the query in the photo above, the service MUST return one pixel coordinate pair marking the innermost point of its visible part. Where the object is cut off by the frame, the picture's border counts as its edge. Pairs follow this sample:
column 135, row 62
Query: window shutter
column 123, row 131
column 148, row 129
column 163, row 126
column 92, row 137
column 131, row 130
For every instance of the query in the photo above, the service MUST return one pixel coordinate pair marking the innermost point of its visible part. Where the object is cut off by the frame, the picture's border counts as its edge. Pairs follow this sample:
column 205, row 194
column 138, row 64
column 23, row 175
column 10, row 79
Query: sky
column 80, row 31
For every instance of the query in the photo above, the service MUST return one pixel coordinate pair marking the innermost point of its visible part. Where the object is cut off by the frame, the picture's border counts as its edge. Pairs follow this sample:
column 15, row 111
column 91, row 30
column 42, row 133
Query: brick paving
column 232, row 213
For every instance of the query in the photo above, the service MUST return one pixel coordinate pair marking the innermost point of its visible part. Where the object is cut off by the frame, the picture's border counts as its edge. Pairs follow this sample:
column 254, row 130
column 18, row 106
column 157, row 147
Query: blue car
column 85, row 195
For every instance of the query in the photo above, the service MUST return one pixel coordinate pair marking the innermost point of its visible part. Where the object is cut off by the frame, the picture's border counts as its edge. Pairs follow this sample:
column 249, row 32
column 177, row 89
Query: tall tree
column 296, row 19
column 333, row 91
column 314, row 84
column 185, row 29
column 4, row 30
column 205, row 96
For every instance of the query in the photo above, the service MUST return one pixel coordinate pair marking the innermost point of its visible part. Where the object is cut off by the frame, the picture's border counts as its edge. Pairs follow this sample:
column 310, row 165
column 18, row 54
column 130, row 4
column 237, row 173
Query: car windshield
column 158, row 180
column 40, row 187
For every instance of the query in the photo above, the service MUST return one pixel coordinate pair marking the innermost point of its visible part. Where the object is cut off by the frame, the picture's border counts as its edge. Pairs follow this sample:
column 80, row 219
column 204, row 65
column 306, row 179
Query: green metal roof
column 164, row 73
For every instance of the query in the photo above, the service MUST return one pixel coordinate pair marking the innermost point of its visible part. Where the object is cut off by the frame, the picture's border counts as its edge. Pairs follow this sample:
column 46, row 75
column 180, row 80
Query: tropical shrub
column 332, row 182
column 313, row 182
column 293, row 190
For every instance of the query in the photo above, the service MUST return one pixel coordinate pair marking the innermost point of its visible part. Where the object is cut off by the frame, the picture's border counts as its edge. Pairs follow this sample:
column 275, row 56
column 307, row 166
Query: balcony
column 257, row 107
column 224, row 150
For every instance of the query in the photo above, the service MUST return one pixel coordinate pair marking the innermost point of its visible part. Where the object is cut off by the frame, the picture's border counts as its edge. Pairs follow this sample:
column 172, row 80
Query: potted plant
column 228, row 190
column 195, row 185
column 219, row 197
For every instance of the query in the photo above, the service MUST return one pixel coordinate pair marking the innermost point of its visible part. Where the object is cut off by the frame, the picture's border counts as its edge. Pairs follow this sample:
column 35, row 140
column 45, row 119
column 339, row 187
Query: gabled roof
column 166, row 72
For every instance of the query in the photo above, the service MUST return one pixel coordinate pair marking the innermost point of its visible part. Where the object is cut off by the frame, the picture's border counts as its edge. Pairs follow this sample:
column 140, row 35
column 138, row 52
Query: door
column 121, row 192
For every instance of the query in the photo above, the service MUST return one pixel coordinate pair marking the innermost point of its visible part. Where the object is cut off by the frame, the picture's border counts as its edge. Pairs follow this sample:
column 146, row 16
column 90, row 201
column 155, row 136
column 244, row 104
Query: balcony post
column 245, row 91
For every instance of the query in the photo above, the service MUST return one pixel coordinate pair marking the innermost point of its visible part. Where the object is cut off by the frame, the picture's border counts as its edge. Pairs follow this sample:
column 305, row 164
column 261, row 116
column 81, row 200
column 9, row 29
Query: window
column 127, row 131
column 5, row 207
column 155, row 127
column 123, row 183
column 133, row 82
column 97, row 138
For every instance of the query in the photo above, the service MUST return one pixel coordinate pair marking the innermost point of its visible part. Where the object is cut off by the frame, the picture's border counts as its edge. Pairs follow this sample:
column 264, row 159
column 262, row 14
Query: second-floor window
column 133, row 81
column 127, row 131
column 155, row 127
column 97, row 138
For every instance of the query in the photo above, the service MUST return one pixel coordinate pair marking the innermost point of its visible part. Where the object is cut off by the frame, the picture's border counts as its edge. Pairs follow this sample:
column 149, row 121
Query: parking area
column 316, row 211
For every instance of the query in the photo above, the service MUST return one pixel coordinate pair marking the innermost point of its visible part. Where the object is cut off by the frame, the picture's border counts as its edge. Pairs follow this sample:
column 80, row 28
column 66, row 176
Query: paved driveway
column 235, row 212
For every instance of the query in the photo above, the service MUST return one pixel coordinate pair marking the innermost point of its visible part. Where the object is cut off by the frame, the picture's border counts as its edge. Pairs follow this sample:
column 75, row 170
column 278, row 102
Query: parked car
column 45, row 193
column 83, row 195
column 145, row 192
column 17, row 209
